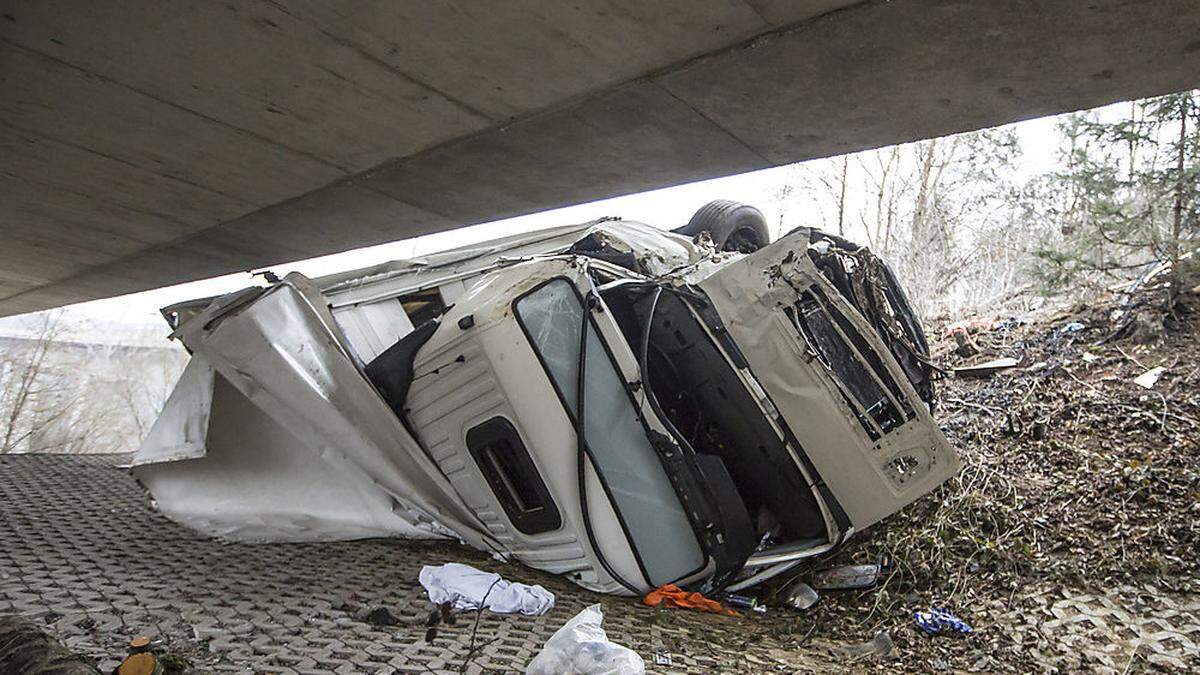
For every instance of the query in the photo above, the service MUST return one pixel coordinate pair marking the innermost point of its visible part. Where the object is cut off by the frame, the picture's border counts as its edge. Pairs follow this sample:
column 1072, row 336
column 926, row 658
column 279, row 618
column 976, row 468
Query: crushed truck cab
column 622, row 405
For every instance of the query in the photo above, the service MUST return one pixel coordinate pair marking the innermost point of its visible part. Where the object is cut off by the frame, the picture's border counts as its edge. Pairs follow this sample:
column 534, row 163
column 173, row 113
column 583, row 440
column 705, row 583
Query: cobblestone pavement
column 82, row 553
column 1075, row 630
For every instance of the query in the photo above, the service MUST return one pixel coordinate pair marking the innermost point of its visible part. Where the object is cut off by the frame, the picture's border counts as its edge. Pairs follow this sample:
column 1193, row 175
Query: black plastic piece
column 392, row 371
column 513, row 477
column 736, row 525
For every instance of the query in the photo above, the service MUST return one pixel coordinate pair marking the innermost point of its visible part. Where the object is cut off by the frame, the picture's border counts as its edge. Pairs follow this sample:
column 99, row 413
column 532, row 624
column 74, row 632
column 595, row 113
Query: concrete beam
column 155, row 143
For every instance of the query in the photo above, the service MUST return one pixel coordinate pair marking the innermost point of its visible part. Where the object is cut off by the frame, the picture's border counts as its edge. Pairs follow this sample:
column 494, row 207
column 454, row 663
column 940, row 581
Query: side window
column 552, row 316
column 513, row 477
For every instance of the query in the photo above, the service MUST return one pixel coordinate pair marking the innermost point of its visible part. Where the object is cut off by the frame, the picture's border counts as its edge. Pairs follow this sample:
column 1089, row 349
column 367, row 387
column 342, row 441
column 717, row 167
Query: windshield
column 628, row 465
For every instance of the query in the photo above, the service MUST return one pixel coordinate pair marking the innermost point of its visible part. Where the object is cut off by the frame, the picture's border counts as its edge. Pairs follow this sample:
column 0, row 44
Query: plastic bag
column 581, row 647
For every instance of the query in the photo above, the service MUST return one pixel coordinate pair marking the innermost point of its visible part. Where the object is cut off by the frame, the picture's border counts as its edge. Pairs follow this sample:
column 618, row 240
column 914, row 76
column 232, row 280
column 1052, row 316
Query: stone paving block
column 83, row 554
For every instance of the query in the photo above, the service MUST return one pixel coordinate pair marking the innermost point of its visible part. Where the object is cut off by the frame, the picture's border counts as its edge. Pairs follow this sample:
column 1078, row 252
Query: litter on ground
column 987, row 368
column 581, row 647
column 671, row 595
column 851, row 576
column 800, row 596
column 1148, row 379
column 941, row 621
column 469, row 589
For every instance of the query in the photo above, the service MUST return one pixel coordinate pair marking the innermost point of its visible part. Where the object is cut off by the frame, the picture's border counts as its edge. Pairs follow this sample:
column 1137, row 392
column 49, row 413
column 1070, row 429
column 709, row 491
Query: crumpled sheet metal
column 314, row 410
column 254, row 480
column 748, row 294
column 181, row 430
column 659, row 251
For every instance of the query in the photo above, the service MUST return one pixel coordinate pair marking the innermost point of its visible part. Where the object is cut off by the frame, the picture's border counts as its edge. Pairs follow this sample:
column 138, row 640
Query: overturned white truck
column 619, row 404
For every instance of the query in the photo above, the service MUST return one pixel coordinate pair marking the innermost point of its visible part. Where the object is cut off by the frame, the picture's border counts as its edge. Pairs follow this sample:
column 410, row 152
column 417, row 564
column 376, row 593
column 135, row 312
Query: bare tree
column 28, row 381
column 1174, row 244
column 78, row 390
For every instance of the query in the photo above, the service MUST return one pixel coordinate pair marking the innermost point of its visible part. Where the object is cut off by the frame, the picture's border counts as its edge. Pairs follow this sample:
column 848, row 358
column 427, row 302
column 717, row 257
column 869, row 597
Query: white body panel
column 277, row 351
column 254, row 480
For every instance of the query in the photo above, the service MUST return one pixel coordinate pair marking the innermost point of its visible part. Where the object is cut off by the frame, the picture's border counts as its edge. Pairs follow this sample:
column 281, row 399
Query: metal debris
column 851, row 576
column 987, row 368
column 800, row 596
column 1148, row 379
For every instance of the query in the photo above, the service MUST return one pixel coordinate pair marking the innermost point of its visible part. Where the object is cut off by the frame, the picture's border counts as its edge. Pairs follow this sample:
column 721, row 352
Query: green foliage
column 174, row 664
column 1127, row 199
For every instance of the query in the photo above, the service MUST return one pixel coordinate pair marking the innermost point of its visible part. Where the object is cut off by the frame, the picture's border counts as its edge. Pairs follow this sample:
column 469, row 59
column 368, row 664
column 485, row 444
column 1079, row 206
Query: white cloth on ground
column 466, row 587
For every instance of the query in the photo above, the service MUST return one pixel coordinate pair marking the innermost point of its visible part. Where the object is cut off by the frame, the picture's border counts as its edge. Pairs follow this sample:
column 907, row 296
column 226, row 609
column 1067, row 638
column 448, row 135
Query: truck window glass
column 512, row 476
column 661, row 534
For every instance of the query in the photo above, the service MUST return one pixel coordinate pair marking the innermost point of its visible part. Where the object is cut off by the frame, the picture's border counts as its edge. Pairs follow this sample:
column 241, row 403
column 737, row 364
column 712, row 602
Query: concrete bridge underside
column 149, row 143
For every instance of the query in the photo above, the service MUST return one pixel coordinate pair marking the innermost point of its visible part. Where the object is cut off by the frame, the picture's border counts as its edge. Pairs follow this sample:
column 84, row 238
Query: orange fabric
column 671, row 595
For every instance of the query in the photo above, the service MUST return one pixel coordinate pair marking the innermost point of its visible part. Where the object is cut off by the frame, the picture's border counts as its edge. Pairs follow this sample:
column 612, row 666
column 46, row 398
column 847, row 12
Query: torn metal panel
column 987, row 368
column 279, row 353
column 650, row 252
column 871, row 478
column 256, row 480
column 181, row 430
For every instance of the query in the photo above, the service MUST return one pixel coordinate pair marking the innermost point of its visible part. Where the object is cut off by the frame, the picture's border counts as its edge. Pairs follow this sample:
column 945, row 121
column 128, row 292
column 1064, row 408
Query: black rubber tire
column 732, row 225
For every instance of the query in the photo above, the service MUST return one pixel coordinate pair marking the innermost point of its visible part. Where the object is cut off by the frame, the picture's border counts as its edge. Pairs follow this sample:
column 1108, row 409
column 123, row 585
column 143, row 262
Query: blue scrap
column 937, row 621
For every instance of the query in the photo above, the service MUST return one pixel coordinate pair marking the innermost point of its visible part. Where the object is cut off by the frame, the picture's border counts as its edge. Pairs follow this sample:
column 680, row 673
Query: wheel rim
column 743, row 240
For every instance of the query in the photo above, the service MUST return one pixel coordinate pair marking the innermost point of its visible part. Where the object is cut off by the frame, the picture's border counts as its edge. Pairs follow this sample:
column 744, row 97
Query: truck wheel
column 732, row 225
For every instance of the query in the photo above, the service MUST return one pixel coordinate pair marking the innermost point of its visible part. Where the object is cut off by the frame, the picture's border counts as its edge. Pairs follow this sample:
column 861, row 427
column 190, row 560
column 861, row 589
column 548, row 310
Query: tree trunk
column 920, row 238
column 1176, row 279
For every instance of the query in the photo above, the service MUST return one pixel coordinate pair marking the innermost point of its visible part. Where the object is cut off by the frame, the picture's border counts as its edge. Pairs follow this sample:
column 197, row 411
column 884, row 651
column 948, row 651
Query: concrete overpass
column 150, row 143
